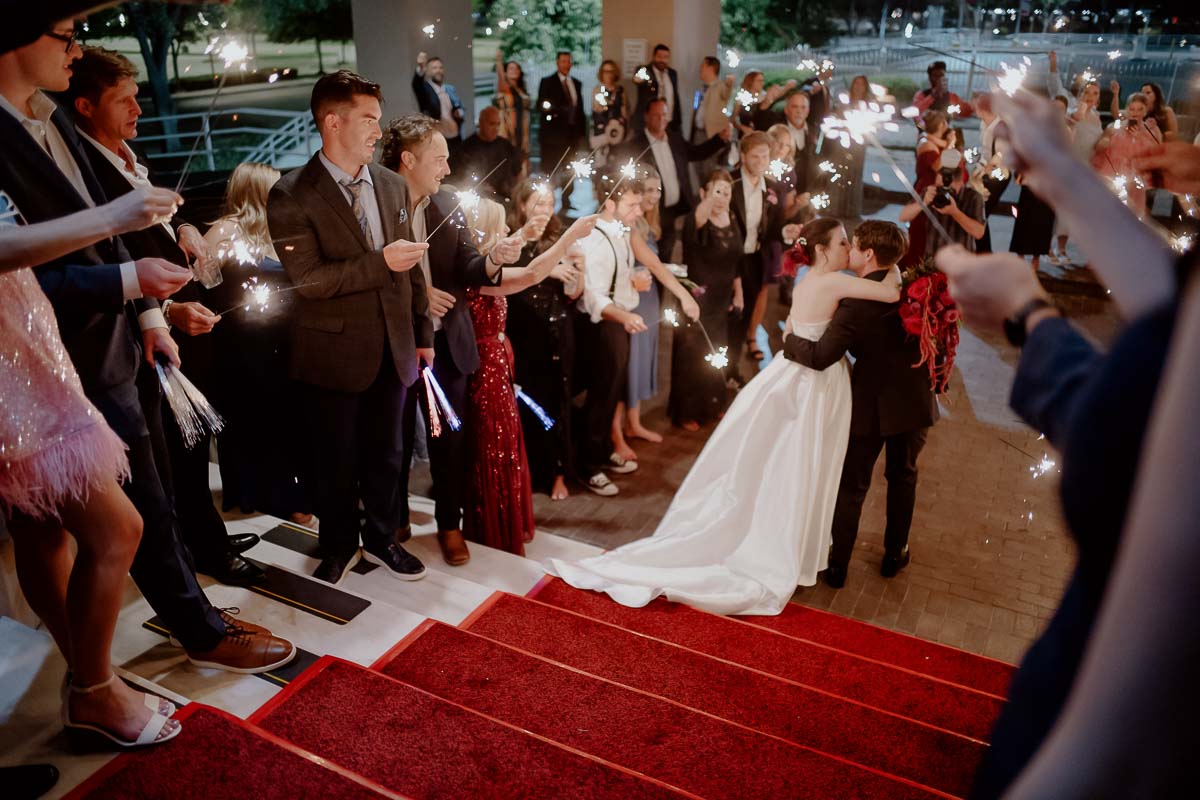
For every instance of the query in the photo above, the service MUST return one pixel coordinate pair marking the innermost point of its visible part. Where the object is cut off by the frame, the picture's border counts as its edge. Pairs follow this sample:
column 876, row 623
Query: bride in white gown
column 752, row 520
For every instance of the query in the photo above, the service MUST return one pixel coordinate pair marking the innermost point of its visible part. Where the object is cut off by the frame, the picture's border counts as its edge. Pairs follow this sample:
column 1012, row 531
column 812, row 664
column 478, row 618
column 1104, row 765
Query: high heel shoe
column 148, row 736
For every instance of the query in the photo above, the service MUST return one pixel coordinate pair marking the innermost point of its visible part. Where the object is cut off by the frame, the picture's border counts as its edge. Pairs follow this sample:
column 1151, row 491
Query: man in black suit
column 658, row 80
column 759, row 211
column 342, row 229
column 103, row 94
column 418, row 152
column 894, row 406
column 437, row 99
column 670, row 153
column 47, row 174
column 562, row 121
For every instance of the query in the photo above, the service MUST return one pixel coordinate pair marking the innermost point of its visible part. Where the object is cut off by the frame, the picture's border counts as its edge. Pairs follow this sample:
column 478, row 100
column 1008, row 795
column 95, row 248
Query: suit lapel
column 75, row 145
column 50, row 179
column 739, row 199
column 388, row 213
column 329, row 190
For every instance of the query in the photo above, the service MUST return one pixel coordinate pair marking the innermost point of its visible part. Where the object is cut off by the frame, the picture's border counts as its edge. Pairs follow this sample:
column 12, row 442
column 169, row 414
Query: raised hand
column 581, row 228
column 160, row 278
column 1179, row 164
column 507, row 250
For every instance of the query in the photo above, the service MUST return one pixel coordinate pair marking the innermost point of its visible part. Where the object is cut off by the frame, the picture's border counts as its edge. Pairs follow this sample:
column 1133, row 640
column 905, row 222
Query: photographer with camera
column 960, row 207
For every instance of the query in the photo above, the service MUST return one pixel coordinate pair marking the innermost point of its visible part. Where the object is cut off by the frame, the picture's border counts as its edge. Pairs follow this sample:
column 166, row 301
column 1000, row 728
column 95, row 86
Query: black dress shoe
column 893, row 563
column 241, row 542
column 834, row 576
column 232, row 570
column 400, row 564
column 28, row 781
column 333, row 569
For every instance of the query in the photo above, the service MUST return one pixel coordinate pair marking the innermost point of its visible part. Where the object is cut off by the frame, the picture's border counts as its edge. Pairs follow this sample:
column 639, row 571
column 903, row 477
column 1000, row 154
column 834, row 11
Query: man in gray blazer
column 341, row 227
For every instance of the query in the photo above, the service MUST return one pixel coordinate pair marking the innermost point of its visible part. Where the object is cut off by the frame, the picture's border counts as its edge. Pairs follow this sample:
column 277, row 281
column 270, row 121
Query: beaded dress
column 499, row 509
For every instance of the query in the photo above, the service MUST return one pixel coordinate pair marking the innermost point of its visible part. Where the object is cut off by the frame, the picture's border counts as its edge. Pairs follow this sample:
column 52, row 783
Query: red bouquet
column 928, row 312
column 793, row 259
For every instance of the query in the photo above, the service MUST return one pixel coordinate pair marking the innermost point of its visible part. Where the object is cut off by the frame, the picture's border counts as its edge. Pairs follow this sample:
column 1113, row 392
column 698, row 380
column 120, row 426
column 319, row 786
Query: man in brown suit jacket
column 341, row 227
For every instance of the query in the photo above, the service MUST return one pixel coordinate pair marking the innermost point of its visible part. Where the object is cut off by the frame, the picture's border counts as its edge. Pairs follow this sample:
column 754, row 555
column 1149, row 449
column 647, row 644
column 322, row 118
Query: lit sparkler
column 856, row 124
column 1113, row 55
column 1183, row 242
column 718, row 359
column 954, row 109
column 1045, row 465
column 671, row 317
column 1011, row 78
column 819, row 201
column 429, row 30
column 746, row 99
column 642, row 74
column 467, row 199
column 232, row 53
column 777, row 169
column 732, row 59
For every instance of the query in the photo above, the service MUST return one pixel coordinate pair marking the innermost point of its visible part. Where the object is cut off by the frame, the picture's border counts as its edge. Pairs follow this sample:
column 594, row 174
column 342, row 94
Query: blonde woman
column 262, row 449
column 499, row 507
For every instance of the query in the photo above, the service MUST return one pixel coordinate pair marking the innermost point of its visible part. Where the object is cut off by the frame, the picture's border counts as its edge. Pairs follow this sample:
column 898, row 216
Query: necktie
column 569, row 91
column 356, row 207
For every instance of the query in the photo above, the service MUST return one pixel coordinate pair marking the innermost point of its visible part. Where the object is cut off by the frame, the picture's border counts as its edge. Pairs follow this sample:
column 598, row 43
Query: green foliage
column 543, row 27
column 301, row 20
column 769, row 25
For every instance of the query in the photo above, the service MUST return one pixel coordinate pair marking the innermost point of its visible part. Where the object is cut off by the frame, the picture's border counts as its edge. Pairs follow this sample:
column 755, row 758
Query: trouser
column 900, row 469
column 447, row 459
column 995, row 190
column 666, row 242
column 358, row 448
column 750, row 270
column 556, row 152
column 605, row 373
column 162, row 567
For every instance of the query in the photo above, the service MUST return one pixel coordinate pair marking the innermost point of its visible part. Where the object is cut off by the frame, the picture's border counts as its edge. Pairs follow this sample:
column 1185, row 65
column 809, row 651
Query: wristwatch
column 166, row 311
column 1014, row 326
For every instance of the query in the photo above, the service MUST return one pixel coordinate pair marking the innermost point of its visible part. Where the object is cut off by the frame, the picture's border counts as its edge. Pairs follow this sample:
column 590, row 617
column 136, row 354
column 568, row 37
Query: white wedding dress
column 752, row 520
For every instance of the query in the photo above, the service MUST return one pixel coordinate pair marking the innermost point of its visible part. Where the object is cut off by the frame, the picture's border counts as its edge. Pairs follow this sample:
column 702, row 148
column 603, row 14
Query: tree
column 767, row 25
column 301, row 20
column 543, row 27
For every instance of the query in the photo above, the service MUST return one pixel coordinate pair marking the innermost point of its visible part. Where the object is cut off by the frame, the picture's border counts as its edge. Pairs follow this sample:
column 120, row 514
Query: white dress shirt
column 609, row 239
column 419, row 233
column 48, row 137
column 753, row 195
column 799, row 136
column 568, row 87
column 665, row 161
column 666, row 90
column 369, row 202
column 447, row 125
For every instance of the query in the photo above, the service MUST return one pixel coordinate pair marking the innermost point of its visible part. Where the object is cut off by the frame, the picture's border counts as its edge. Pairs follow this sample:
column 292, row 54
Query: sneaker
column 400, row 564
column 246, row 652
column 621, row 466
column 601, row 485
column 333, row 569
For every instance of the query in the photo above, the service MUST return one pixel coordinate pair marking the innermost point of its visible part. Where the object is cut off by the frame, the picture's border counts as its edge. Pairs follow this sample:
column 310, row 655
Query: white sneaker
column 601, row 485
column 621, row 466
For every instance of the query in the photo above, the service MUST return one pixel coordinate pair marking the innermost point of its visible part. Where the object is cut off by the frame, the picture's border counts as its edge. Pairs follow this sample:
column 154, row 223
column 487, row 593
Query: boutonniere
column 403, row 215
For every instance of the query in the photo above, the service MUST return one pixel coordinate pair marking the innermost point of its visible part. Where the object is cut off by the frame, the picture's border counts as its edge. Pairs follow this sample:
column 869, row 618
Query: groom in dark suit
column 894, row 406
column 341, row 227
column 562, row 119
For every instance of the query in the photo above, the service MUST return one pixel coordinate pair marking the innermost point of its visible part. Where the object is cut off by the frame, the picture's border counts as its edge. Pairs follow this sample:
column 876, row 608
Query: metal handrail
column 291, row 136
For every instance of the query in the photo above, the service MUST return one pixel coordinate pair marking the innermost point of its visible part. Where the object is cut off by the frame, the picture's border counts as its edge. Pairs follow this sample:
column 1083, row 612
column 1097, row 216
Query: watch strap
column 1014, row 326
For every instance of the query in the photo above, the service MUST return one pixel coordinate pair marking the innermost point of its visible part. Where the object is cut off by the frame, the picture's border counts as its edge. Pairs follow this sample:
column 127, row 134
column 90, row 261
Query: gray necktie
column 355, row 188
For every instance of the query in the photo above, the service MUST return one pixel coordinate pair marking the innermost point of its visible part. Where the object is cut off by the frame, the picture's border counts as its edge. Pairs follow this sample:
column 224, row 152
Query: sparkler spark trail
column 777, row 169
column 260, row 295
column 231, row 53
column 819, row 201
column 732, row 59
column 468, row 199
column 671, row 317
column 745, row 98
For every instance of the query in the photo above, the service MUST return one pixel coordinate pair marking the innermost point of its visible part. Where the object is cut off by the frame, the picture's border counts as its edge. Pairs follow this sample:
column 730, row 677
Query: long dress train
column 752, row 520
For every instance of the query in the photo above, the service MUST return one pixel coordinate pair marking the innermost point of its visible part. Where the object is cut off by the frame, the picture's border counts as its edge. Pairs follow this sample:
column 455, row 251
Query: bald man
column 484, row 151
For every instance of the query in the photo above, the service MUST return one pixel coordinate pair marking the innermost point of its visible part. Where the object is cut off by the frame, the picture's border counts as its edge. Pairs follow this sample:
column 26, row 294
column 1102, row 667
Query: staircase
column 490, row 680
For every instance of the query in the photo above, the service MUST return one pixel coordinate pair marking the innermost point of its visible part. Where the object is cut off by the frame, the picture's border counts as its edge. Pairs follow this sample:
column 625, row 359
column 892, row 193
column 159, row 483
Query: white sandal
column 150, row 732
column 159, row 705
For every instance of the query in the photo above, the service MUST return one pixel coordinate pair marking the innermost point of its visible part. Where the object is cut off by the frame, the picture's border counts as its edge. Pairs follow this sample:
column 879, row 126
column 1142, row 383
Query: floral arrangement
column 928, row 312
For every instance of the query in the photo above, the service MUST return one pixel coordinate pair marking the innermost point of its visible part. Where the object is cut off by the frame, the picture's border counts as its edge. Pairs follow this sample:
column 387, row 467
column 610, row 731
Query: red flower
column 912, row 325
column 946, row 299
column 951, row 316
column 918, row 289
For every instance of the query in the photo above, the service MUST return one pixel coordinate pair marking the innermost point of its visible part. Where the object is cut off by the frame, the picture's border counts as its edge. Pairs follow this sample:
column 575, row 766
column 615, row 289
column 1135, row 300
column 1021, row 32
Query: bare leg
column 635, row 429
column 756, row 317
column 620, row 446
column 559, row 490
column 1062, row 245
column 44, row 560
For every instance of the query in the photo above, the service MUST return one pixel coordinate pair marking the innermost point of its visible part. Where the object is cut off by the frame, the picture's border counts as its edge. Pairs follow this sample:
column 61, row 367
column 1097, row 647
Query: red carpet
column 417, row 744
column 683, row 747
column 820, row 627
column 219, row 757
column 876, row 684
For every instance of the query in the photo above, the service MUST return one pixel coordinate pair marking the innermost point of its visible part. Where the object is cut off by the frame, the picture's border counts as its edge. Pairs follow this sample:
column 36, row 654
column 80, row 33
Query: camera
column 948, row 169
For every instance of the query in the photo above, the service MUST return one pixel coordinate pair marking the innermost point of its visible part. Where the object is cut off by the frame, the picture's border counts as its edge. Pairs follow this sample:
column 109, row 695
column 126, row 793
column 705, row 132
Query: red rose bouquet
column 928, row 312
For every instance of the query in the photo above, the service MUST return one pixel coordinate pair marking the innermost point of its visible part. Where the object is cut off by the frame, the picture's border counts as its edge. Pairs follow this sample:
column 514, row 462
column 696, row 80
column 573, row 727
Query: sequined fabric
column 499, row 507
column 54, row 445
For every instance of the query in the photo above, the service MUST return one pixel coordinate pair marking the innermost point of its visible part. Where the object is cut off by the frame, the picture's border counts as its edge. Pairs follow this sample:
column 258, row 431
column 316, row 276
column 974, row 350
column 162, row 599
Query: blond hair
column 246, row 202
column 487, row 222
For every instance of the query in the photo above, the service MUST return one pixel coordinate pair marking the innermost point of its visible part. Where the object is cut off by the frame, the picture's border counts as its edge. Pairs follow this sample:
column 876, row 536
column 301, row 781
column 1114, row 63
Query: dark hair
column 520, row 78
column 516, row 213
column 562, row 53
column 338, row 89
column 935, row 66
column 97, row 70
column 432, row 59
column 608, row 179
column 654, row 100
column 403, row 134
column 817, row 232
column 885, row 238
column 1160, row 106
column 660, row 46
column 717, row 174
column 714, row 62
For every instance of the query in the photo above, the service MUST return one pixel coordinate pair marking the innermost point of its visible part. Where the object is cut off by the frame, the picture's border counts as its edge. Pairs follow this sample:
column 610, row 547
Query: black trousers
column 162, row 567
column 666, row 242
column 604, row 373
column 357, row 441
column 900, row 469
column 750, row 270
column 447, row 453
column 559, row 151
column 995, row 189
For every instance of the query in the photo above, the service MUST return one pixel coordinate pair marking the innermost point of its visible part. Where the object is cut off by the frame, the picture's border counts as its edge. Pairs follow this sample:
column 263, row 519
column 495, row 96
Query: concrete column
column 690, row 28
column 388, row 35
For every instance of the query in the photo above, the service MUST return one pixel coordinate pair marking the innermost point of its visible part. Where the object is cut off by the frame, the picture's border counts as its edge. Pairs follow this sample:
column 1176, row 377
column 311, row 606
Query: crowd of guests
column 388, row 290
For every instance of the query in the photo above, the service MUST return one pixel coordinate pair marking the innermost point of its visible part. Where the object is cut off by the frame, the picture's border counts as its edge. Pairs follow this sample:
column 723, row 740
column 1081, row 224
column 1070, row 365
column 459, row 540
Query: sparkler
column 1183, row 242
column 642, row 74
column 745, row 98
column 195, row 416
column 467, row 199
column 628, row 172
column 231, row 53
column 1113, row 55
column 856, row 124
column 1011, row 78
column 732, row 59
column 429, row 30
column 954, row 109
column 671, row 317
column 260, row 295
column 777, row 169
column 1042, row 467
column 819, row 201
column 539, row 412
column 718, row 359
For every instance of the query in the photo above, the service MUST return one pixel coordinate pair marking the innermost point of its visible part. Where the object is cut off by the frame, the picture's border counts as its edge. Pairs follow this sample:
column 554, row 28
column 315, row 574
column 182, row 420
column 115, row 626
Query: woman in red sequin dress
column 499, row 507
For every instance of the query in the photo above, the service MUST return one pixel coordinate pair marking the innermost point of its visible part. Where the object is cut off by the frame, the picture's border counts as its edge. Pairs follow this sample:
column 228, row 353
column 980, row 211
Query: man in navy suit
column 562, row 121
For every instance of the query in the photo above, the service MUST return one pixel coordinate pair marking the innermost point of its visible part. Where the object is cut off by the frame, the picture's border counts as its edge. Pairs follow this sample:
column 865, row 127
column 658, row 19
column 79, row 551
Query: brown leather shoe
column 403, row 534
column 228, row 615
column 454, row 547
column 246, row 651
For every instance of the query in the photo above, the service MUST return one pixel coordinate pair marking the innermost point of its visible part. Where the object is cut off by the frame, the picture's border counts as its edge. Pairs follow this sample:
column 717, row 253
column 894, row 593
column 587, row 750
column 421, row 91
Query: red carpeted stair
column 219, row 757
column 568, row 694
column 809, row 624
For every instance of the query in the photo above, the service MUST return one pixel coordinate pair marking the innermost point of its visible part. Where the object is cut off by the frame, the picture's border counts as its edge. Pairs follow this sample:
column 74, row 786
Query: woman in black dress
column 712, row 246
column 539, row 327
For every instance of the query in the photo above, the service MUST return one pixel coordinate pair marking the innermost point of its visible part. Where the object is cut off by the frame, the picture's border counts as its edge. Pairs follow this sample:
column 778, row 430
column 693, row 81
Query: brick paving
column 990, row 554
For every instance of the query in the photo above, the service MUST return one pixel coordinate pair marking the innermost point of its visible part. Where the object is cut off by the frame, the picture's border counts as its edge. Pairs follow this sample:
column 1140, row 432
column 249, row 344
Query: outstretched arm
column 884, row 291
column 646, row 256
column 833, row 344
column 516, row 279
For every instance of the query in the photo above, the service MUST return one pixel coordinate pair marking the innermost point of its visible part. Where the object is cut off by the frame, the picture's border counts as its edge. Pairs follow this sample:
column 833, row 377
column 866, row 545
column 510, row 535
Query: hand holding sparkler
column 1178, row 163
column 402, row 255
column 191, row 318
column 141, row 208
column 159, row 278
